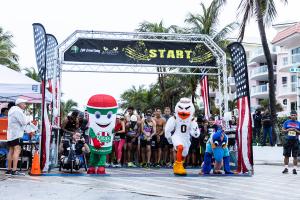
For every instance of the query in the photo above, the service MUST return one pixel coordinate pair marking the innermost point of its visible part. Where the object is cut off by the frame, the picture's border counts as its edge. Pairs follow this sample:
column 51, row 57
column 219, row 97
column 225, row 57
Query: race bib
column 117, row 138
column 292, row 133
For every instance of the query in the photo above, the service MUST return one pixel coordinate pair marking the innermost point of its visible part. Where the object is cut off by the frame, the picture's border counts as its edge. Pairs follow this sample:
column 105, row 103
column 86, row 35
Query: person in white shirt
column 16, row 124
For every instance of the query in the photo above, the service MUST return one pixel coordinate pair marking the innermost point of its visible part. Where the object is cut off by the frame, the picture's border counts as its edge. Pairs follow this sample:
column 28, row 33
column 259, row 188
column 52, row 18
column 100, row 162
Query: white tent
column 14, row 84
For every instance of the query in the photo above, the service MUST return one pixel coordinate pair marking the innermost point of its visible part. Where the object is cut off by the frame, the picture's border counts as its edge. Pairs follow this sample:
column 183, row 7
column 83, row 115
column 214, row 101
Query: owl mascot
column 102, row 111
column 178, row 130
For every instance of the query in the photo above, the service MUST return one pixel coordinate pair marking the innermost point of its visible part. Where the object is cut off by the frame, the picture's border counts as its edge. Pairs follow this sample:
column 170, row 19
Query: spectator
column 4, row 112
column 267, row 127
column 291, row 130
column 212, row 126
column 16, row 124
column 257, row 117
column 119, row 139
column 172, row 155
column 71, row 123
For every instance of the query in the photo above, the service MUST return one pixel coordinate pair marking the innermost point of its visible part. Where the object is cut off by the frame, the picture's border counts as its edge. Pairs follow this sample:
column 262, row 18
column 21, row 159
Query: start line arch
column 143, row 53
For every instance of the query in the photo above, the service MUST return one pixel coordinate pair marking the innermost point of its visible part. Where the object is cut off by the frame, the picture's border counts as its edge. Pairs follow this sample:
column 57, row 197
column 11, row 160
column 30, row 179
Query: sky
column 62, row 17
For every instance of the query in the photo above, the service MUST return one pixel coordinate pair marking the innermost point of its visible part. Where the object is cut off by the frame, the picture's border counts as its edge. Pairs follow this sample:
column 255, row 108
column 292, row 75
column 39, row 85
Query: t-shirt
column 268, row 121
column 257, row 120
column 291, row 135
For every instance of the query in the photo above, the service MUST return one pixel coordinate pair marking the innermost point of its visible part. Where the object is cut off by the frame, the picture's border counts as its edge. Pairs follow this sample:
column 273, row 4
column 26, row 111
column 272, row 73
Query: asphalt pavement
column 138, row 183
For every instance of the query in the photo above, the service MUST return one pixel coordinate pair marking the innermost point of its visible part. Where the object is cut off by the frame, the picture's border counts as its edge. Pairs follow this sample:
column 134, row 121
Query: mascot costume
column 102, row 111
column 178, row 130
column 216, row 147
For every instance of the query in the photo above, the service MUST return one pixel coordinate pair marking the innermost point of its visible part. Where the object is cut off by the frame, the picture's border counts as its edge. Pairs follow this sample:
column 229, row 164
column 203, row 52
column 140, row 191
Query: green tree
column 160, row 28
column 7, row 57
column 32, row 73
column 66, row 107
column 264, row 12
column 206, row 22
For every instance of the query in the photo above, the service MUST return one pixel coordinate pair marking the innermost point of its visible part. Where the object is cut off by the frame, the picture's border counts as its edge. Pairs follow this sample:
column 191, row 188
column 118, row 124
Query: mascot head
column 102, row 111
column 184, row 109
column 219, row 140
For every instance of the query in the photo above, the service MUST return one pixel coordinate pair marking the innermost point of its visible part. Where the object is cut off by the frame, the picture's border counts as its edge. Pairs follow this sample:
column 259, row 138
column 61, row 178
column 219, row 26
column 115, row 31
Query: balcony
column 287, row 90
column 289, row 62
column 258, row 55
column 260, row 91
column 260, row 73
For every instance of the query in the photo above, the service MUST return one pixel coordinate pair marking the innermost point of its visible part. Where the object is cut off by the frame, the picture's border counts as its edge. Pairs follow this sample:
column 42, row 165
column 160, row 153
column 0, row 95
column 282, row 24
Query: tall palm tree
column 264, row 12
column 32, row 73
column 159, row 28
column 7, row 57
column 206, row 22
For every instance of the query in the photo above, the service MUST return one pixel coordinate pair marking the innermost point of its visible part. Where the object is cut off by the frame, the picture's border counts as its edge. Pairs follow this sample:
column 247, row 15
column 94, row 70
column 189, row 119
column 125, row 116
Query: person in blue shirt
column 291, row 130
column 4, row 112
column 216, row 147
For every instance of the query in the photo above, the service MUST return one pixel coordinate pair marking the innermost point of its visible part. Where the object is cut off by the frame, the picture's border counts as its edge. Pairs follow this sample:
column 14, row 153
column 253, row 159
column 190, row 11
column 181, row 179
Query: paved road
column 267, row 183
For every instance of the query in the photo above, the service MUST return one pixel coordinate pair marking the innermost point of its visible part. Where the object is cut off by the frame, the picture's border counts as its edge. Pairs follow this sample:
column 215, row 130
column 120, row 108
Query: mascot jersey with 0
column 102, row 111
column 178, row 130
column 216, row 147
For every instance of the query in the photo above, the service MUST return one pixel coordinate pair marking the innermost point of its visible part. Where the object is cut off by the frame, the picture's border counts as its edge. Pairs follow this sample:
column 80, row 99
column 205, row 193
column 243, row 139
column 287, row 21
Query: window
column 296, row 51
column 293, row 78
column 293, row 105
column 284, row 80
column 285, row 60
column 284, row 102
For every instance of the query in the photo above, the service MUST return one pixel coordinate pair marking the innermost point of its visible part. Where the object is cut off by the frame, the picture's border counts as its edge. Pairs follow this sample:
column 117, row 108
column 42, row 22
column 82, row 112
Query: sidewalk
column 266, row 155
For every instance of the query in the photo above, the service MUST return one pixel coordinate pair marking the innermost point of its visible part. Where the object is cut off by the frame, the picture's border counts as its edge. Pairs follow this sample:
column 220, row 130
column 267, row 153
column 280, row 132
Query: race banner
column 140, row 52
column 244, row 129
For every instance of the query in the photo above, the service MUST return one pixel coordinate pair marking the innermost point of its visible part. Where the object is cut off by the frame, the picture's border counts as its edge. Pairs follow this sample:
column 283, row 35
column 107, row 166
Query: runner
column 148, row 131
column 291, row 129
column 161, row 140
column 132, row 140
column 119, row 139
column 169, row 153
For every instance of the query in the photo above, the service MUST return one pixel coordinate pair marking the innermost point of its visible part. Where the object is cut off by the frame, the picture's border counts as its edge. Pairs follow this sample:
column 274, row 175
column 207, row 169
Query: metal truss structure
column 219, row 70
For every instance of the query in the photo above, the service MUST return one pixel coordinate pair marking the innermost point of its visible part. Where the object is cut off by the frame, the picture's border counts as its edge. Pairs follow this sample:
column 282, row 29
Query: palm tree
column 32, row 73
column 206, row 23
column 159, row 28
column 66, row 107
column 264, row 12
column 7, row 57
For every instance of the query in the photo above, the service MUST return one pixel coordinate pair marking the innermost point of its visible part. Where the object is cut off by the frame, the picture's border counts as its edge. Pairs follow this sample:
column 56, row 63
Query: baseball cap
column 20, row 100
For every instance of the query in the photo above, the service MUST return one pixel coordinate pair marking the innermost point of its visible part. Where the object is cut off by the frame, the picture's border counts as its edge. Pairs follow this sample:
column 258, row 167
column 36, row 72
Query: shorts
column 154, row 143
column 177, row 139
column 163, row 142
column 194, row 146
column 14, row 142
column 144, row 143
column 291, row 147
column 128, row 140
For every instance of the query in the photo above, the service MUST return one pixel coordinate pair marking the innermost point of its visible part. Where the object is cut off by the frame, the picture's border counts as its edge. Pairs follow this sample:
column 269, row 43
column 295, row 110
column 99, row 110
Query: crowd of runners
column 139, row 139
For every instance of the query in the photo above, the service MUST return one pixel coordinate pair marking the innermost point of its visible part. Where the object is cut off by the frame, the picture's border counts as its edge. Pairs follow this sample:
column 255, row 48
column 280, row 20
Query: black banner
column 140, row 52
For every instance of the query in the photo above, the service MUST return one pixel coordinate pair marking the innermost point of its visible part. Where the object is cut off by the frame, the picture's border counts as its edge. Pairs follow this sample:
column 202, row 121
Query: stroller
column 71, row 159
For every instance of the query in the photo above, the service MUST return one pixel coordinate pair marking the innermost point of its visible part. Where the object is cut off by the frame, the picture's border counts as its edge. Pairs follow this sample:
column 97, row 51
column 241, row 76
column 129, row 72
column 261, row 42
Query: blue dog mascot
column 216, row 147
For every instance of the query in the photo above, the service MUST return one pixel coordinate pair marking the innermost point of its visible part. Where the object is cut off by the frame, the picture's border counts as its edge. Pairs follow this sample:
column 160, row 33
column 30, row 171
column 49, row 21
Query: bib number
column 292, row 133
column 183, row 128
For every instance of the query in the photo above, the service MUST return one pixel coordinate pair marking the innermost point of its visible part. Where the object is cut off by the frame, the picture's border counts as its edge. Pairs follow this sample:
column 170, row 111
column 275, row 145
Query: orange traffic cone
column 35, row 168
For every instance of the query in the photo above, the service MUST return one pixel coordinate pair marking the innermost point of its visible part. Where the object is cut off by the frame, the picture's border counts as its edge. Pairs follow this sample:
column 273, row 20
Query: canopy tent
column 14, row 84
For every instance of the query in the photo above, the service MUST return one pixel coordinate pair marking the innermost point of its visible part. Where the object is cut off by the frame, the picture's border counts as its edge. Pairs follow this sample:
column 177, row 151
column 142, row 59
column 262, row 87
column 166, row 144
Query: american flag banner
column 244, row 129
column 205, row 96
column 51, row 56
column 39, row 36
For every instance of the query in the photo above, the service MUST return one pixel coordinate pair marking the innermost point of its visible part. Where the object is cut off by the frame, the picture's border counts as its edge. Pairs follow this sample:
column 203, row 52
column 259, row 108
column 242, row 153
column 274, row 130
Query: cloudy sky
column 62, row 18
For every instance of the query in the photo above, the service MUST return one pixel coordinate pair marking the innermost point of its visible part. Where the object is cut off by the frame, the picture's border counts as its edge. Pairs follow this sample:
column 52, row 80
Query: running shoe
column 294, row 171
column 285, row 171
column 147, row 165
column 130, row 164
column 17, row 173
column 8, row 173
column 118, row 165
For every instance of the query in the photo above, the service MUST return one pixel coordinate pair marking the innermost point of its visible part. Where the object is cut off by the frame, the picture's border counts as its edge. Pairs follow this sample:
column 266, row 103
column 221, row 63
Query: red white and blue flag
column 205, row 95
column 244, row 129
